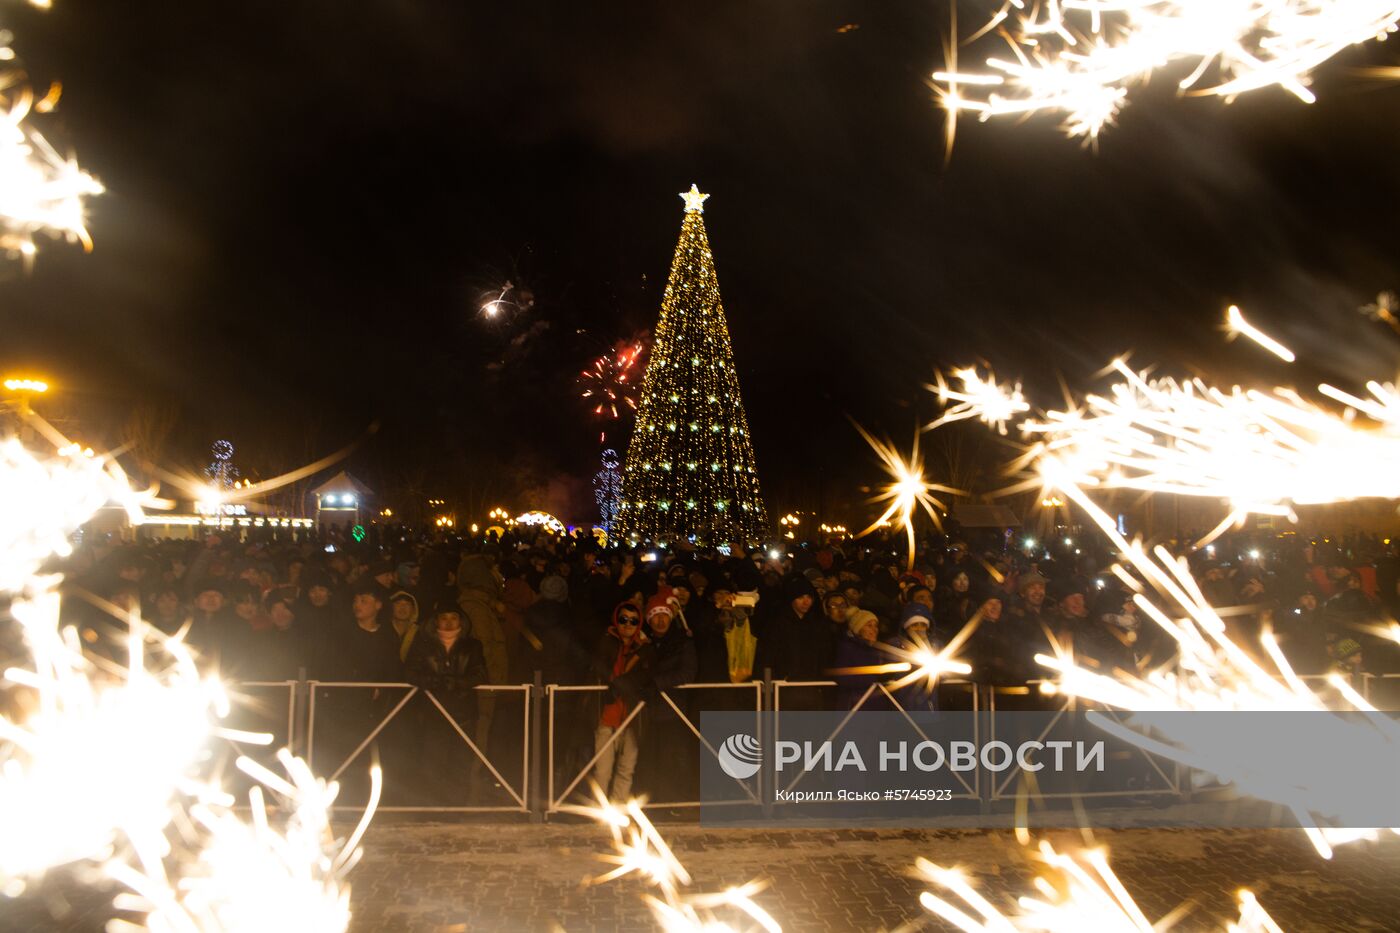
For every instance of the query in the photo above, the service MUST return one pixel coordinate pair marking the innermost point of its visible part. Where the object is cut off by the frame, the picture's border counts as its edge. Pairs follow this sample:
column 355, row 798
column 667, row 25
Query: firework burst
column 610, row 384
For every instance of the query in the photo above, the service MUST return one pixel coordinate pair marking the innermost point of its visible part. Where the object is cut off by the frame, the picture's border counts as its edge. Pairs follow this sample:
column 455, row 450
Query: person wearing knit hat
column 863, row 624
column 554, row 587
column 797, row 642
column 660, row 604
column 915, row 635
column 915, row 614
column 1032, row 605
column 403, row 616
column 798, row 586
column 856, row 656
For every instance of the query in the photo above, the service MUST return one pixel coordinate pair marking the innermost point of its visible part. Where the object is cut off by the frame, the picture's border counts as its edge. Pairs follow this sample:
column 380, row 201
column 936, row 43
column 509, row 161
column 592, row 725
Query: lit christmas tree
column 690, row 467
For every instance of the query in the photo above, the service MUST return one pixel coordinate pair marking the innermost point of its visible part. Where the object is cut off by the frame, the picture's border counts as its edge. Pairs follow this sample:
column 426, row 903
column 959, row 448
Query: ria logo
column 740, row 756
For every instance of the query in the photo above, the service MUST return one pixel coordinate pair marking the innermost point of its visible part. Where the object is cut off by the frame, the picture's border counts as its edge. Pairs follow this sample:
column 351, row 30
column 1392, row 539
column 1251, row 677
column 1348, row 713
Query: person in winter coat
column 797, row 642
column 279, row 651
column 449, row 664
column 552, row 645
column 620, row 652
column 916, row 635
column 1112, row 641
column 1002, row 649
column 857, row 652
column 403, row 617
column 667, row 769
column 479, row 595
column 953, row 604
column 366, row 651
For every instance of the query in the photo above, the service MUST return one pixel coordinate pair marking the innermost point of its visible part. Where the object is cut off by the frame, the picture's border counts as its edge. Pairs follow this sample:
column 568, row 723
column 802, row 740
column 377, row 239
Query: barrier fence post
column 768, row 785
column 301, row 711
column 535, row 800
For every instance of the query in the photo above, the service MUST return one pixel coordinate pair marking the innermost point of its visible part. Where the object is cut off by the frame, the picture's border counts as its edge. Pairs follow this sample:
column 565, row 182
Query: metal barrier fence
column 556, row 803
column 552, row 742
column 371, row 714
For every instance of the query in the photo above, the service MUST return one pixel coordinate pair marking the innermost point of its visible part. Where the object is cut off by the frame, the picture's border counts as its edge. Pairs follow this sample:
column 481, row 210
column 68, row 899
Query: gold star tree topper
column 694, row 200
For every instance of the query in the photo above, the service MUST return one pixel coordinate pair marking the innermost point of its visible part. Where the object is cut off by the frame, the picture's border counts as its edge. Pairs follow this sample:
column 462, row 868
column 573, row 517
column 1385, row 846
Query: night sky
column 308, row 201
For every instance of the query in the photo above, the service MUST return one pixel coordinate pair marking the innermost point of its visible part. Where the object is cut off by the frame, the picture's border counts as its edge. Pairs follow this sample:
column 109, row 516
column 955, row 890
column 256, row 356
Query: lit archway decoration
column 541, row 519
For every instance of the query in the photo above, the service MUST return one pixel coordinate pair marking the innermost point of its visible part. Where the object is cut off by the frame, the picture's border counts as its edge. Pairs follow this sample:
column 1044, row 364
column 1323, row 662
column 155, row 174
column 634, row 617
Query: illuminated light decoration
column 1074, row 892
column 607, row 490
column 36, row 386
column 221, row 471
column 40, row 191
column 536, row 518
column 692, row 326
column 358, row 533
column 908, row 491
column 1236, row 324
column 1080, row 57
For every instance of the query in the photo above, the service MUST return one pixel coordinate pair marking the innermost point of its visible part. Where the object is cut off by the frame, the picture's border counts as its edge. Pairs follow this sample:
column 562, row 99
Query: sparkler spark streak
column 1234, row 320
column 1080, row 57
column 1262, row 452
column 908, row 491
column 1077, row 892
column 641, row 850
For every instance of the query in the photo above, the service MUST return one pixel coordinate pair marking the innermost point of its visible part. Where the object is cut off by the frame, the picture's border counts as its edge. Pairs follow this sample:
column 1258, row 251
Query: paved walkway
column 459, row 878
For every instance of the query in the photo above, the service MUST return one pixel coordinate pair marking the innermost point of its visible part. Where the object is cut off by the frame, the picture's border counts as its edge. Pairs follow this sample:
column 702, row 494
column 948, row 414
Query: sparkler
column 40, row 190
column 1384, row 309
column 909, row 491
column 1213, row 672
column 1262, row 452
column 149, row 820
column 1080, row 58
column 640, row 849
column 980, row 398
column 1076, row 892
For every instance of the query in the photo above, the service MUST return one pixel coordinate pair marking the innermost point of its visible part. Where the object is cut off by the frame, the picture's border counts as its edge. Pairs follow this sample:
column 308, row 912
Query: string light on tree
column 607, row 490
column 690, row 469
column 221, row 471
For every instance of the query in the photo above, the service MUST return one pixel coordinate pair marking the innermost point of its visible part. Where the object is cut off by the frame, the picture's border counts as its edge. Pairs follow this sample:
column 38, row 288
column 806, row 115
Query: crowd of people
column 450, row 615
